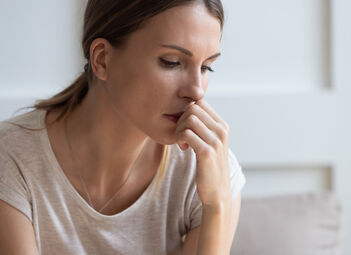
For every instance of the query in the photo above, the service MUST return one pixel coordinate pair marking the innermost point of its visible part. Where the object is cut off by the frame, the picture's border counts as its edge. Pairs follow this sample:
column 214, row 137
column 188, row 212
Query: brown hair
column 114, row 20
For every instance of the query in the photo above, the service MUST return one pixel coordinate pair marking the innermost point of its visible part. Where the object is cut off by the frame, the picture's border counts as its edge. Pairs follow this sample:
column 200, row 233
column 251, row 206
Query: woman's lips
column 173, row 118
column 178, row 114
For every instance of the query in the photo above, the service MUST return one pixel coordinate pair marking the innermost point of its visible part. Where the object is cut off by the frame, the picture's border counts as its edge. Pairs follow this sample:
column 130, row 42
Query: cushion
column 294, row 224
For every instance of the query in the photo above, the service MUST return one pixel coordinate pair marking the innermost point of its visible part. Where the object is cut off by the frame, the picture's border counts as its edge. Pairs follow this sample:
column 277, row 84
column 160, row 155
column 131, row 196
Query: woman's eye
column 207, row 68
column 169, row 63
column 172, row 64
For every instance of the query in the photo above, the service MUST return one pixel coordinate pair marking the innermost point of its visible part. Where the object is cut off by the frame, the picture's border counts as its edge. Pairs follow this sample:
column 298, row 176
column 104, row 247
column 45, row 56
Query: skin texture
column 123, row 114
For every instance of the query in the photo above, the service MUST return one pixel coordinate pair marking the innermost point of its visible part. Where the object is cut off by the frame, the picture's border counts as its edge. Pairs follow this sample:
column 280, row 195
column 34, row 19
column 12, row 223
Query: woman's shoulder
column 19, row 130
column 24, row 121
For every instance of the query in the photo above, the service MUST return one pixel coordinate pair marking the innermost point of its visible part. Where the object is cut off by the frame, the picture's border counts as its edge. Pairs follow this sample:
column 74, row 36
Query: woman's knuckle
column 186, row 133
column 217, row 144
column 207, row 152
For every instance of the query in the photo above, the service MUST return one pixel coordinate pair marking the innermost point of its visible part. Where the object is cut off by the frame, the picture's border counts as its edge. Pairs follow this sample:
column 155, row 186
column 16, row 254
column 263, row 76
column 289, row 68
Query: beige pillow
column 299, row 224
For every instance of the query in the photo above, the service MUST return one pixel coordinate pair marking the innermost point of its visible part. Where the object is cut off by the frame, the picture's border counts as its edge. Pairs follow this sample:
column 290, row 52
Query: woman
column 129, row 159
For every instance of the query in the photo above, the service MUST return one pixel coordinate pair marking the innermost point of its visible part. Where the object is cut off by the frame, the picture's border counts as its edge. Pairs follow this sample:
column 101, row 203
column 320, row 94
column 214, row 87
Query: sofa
column 293, row 224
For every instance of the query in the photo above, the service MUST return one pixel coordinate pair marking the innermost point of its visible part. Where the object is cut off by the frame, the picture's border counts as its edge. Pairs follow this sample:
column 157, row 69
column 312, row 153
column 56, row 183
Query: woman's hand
column 201, row 128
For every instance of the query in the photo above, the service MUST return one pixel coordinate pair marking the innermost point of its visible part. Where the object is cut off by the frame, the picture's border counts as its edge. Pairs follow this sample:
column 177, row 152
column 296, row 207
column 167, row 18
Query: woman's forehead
column 182, row 25
column 186, row 18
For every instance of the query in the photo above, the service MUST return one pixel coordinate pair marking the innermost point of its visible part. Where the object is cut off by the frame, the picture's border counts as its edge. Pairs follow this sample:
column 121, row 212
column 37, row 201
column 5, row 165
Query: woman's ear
column 99, row 52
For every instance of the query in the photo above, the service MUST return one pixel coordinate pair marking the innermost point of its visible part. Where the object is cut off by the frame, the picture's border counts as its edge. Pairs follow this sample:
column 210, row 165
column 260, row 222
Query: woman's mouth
column 174, row 117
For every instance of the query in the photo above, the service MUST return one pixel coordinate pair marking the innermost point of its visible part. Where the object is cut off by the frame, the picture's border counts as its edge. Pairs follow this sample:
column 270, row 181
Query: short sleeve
column 237, row 182
column 13, row 187
column 195, row 212
column 237, row 178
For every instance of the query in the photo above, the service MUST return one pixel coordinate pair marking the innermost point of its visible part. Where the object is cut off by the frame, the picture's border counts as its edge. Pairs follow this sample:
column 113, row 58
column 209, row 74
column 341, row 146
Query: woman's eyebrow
column 185, row 51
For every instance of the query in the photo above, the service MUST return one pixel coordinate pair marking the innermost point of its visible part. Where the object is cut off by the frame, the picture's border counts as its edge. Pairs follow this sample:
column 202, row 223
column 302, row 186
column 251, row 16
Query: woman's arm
column 216, row 233
column 218, row 227
column 202, row 129
column 16, row 232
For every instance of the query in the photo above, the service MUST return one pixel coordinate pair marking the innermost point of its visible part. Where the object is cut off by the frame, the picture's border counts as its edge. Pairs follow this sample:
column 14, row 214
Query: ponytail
column 67, row 99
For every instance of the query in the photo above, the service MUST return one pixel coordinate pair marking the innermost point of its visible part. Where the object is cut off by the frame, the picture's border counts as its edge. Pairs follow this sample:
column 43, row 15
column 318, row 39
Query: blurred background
column 283, row 83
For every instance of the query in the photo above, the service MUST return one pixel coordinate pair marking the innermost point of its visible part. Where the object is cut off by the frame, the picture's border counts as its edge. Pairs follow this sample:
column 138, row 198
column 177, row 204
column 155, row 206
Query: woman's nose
column 194, row 87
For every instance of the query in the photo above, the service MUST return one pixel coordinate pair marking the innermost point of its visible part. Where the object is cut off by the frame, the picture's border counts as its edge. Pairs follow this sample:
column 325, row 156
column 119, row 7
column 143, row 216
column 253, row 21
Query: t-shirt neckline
column 70, row 188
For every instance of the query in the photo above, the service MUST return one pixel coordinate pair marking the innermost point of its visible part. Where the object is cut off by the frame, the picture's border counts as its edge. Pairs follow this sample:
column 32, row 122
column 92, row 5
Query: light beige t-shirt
column 32, row 181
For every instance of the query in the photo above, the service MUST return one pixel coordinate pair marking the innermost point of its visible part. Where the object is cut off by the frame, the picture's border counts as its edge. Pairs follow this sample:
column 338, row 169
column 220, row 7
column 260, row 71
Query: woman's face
column 149, row 77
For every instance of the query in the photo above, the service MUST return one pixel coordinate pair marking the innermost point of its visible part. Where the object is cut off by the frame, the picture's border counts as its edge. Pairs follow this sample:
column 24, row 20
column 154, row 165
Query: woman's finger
column 207, row 107
column 199, row 128
column 193, row 140
column 200, row 113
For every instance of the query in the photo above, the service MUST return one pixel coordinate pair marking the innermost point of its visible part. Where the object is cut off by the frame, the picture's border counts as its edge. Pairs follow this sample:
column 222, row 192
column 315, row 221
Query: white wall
column 40, row 46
